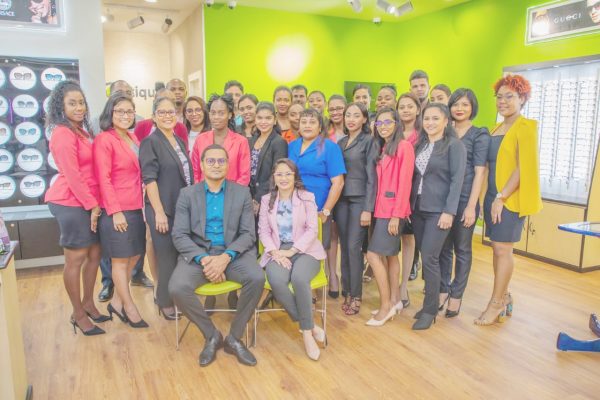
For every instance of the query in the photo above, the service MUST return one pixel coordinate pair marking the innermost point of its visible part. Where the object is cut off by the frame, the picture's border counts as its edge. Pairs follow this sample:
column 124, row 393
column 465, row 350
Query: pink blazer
column 394, row 181
column 144, row 128
column 237, row 149
column 305, row 228
column 76, row 185
column 118, row 172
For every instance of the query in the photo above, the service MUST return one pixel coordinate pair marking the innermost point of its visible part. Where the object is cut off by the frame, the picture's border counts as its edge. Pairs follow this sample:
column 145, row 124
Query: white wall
column 187, row 48
column 82, row 40
column 141, row 59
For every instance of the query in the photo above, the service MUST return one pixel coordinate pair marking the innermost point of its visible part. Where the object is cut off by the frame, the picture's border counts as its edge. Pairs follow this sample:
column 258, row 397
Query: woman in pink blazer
column 74, row 201
column 222, row 120
column 288, row 228
column 392, row 207
column 122, row 226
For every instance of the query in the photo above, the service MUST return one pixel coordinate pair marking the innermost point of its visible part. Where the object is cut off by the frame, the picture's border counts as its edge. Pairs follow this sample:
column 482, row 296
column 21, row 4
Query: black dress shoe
column 209, row 352
column 106, row 293
column 424, row 322
column 237, row 348
column 414, row 272
column 142, row 280
column 595, row 324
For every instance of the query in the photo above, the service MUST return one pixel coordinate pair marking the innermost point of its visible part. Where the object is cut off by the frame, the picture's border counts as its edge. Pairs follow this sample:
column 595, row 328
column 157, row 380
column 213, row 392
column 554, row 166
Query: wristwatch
column 500, row 196
column 326, row 212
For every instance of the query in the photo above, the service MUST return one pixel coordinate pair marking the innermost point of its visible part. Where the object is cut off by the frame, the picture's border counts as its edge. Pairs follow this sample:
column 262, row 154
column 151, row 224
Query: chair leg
column 256, row 315
column 324, row 314
column 176, row 331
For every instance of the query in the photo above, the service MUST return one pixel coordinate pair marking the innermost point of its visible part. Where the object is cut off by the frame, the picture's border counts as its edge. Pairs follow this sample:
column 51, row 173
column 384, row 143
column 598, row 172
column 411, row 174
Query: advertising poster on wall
column 26, row 165
column 32, row 14
column 562, row 19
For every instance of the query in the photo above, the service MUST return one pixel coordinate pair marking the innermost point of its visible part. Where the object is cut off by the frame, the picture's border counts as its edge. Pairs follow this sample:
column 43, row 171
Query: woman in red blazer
column 74, row 200
column 392, row 205
column 222, row 120
column 122, row 227
column 288, row 228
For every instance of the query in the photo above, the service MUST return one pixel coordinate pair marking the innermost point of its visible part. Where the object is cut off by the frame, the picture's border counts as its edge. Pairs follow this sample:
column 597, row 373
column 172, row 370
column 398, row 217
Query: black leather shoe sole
column 247, row 359
column 595, row 324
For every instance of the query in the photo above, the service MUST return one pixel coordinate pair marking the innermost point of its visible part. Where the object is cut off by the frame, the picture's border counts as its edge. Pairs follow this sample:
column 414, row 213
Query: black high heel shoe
column 101, row 318
column 111, row 310
column 441, row 307
column 406, row 303
column 169, row 317
column 91, row 332
column 140, row 324
column 452, row 314
column 333, row 294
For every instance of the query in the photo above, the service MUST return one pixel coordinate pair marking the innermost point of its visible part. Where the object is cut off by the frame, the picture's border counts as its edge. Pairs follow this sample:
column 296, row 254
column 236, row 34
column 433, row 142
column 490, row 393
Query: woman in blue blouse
column 321, row 166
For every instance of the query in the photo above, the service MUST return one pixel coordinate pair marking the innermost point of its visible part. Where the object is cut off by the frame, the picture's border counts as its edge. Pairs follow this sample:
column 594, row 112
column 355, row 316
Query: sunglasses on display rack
column 3, row 131
column 25, row 104
column 22, row 77
column 30, row 131
column 5, row 185
column 33, row 157
column 32, row 184
column 54, row 77
column 3, row 157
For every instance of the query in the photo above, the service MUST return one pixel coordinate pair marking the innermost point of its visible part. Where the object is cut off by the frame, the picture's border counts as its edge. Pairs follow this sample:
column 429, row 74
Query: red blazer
column 144, row 128
column 118, row 172
column 237, row 149
column 394, row 181
column 76, row 185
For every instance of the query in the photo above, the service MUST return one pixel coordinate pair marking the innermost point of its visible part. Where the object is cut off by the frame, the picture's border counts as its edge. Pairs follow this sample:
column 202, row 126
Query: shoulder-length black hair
column 366, row 127
column 205, row 123
column 397, row 136
column 56, row 107
column 228, row 100
column 254, row 100
column 267, row 105
column 449, row 131
column 415, row 99
column 298, row 184
column 106, row 118
column 470, row 95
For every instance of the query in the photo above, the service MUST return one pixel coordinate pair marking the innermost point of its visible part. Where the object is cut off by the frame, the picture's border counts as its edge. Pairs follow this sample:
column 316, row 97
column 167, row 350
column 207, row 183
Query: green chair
column 210, row 289
column 318, row 282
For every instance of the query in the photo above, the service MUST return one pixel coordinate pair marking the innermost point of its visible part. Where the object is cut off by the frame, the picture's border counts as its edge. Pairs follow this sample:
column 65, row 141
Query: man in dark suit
column 214, row 234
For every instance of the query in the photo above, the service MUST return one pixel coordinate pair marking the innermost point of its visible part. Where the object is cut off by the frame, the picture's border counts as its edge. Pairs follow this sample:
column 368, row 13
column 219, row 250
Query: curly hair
column 56, row 107
column 516, row 83
column 228, row 100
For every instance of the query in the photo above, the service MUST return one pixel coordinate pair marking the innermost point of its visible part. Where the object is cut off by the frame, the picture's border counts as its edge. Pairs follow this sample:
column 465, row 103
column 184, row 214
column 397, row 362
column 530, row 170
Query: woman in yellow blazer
column 513, row 188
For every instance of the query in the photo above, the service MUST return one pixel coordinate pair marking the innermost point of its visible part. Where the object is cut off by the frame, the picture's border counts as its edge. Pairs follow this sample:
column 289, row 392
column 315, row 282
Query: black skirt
column 75, row 227
column 381, row 241
column 126, row 244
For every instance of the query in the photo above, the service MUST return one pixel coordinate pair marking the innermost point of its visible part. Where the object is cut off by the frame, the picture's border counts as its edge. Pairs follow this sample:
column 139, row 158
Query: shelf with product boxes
column 565, row 100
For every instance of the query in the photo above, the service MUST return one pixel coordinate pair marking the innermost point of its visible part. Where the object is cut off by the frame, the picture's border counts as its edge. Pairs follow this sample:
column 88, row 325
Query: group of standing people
column 198, row 185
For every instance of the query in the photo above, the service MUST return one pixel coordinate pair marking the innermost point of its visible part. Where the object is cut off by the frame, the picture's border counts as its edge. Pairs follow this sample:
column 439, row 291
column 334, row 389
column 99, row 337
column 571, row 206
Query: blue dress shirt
column 215, row 203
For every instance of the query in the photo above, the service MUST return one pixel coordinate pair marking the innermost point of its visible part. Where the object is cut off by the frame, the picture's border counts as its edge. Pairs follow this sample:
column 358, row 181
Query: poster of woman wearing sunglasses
column 561, row 19
column 25, row 158
column 33, row 12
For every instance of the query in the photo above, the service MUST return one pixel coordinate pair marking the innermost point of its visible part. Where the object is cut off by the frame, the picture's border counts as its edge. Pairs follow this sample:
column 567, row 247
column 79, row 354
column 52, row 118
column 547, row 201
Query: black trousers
column 166, row 257
column 430, row 241
column 352, row 236
column 459, row 241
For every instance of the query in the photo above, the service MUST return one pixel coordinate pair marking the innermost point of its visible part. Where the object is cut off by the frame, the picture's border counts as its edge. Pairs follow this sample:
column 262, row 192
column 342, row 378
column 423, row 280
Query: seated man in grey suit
column 214, row 233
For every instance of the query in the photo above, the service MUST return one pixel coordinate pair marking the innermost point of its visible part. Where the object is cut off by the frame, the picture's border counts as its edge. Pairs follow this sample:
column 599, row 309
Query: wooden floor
column 453, row 360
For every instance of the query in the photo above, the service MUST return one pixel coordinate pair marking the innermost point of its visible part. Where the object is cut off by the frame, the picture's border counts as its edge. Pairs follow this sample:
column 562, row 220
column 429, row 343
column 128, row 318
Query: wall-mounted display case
column 27, row 169
column 565, row 100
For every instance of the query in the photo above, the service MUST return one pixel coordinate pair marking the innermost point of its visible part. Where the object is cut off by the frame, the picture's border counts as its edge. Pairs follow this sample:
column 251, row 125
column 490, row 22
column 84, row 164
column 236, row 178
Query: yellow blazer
column 519, row 149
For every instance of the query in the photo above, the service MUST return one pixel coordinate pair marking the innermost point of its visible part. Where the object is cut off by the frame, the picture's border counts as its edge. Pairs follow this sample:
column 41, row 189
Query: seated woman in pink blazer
column 288, row 228
column 222, row 120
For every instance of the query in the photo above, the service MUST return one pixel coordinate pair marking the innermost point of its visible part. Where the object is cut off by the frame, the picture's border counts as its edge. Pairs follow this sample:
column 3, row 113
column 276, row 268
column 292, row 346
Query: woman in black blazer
column 166, row 168
column 440, row 160
column 266, row 147
column 353, row 209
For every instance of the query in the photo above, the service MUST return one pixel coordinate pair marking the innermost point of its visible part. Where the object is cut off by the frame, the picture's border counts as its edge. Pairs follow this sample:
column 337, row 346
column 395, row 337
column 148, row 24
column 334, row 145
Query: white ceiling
column 179, row 10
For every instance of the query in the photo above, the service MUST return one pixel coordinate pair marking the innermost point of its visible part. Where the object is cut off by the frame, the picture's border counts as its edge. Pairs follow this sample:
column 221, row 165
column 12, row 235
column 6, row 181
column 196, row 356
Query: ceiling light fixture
column 394, row 10
column 107, row 17
column 356, row 5
column 151, row 1
column 135, row 22
column 209, row 3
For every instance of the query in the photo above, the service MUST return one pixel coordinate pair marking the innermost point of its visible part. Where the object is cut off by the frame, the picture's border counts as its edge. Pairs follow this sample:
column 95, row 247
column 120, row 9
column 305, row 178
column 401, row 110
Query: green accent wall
column 467, row 45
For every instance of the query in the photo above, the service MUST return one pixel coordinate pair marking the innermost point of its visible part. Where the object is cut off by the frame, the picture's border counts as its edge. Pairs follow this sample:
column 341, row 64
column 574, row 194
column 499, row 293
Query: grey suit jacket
column 361, row 176
column 190, row 222
column 443, row 178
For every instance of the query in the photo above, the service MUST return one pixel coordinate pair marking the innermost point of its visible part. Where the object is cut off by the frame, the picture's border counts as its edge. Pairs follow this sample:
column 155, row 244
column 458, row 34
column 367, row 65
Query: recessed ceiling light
column 151, row 1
